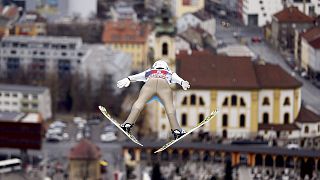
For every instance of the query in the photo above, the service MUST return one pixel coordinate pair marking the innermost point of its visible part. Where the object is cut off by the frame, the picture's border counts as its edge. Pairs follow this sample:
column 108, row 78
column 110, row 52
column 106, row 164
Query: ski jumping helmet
column 160, row 64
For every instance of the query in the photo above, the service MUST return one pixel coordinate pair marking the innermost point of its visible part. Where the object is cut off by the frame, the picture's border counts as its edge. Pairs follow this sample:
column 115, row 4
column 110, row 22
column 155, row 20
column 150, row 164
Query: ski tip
column 101, row 108
column 156, row 152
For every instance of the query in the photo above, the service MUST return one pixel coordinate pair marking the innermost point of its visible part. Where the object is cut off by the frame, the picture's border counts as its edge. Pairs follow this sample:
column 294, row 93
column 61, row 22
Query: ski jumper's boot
column 178, row 133
column 126, row 127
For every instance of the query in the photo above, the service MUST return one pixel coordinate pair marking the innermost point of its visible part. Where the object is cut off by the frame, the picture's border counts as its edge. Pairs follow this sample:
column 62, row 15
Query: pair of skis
column 207, row 119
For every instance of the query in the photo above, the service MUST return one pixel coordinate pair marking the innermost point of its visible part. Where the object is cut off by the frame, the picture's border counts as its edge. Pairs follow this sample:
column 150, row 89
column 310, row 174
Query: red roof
column 315, row 43
column 307, row 116
column 125, row 31
column 85, row 149
column 293, row 15
column 312, row 36
column 206, row 70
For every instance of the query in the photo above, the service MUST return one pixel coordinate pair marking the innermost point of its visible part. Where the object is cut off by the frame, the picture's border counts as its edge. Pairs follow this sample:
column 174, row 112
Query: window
column 286, row 118
column 201, row 118
column 306, row 129
column 13, row 52
column 6, row 94
column 6, row 103
column 34, row 105
column 319, row 128
column 193, row 99
column 35, row 96
column 201, row 101
column 265, row 118
column 286, row 101
column 242, row 103
column 233, row 100
column 163, row 126
column 265, row 101
column 183, row 119
column 184, row 101
column 225, row 102
column 242, row 120
column 15, row 95
column 25, row 96
column 25, row 105
column 165, row 49
column 225, row 120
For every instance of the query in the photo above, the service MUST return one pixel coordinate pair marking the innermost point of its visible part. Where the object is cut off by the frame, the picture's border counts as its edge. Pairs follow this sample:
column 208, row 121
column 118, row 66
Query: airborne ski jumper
column 157, row 80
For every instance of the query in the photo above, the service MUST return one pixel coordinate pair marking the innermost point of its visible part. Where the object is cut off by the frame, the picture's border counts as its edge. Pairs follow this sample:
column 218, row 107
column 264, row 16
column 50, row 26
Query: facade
column 123, row 11
column 310, row 52
column 201, row 19
column 236, row 50
column 247, row 94
column 181, row 7
column 309, row 123
column 20, row 98
column 43, row 55
column 57, row 9
column 197, row 38
column 31, row 24
column 284, row 25
column 130, row 37
column 309, row 7
column 21, row 130
column 258, row 13
column 84, row 161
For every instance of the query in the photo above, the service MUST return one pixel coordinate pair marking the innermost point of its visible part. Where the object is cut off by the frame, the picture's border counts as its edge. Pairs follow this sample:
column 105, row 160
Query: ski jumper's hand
column 185, row 85
column 123, row 83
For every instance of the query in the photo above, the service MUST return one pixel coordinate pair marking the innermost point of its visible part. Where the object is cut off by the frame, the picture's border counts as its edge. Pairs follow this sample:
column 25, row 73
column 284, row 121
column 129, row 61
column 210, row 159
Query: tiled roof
column 278, row 127
column 307, row 116
column 315, row 43
column 293, row 15
column 203, row 15
column 85, row 149
column 125, row 31
column 311, row 34
column 205, row 70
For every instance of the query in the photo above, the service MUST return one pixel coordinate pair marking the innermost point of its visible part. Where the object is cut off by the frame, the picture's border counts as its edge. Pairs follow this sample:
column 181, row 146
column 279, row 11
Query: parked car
column 54, row 138
column 293, row 146
column 78, row 120
column 108, row 137
column 58, row 124
column 110, row 128
column 256, row 39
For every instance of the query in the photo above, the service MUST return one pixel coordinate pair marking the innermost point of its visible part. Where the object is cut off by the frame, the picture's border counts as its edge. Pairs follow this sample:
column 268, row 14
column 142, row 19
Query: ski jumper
column 156, row 84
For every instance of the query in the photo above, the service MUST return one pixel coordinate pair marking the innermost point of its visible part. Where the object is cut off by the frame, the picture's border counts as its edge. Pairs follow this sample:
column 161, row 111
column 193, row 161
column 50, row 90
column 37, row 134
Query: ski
column 107, row 115
column 207, row 119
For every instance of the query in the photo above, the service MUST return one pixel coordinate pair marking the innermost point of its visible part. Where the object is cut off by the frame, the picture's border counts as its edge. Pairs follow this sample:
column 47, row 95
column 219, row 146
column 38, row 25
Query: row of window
column 193, row 100
column 242, row 122
column 265, row 118
column 234, row 101
column 266, row 102
column 6, row 94
column 306, row 129
column 37, row 45
column 43, row 53
column 8, row 103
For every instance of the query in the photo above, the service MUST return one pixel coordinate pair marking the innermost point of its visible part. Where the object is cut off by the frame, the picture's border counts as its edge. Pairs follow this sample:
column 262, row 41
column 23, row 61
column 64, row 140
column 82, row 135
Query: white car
column 108, row 137
column 58, row 124
column 78, row 120
column 293, row 146
column 54, row 131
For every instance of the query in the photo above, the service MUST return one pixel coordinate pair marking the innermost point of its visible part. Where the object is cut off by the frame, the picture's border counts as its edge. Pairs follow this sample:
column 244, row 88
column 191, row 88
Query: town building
column 309, row 7
column 258, row 13
column 247, row 94
column 285, row 23
column 62, row 56
column 21, row 98
column 180, row 7
column 310, row 52
column 201, row 19
column 21, row 130
column 197, row 38
column 56, row 9
column 31, row 24
column 84, row 161
column 130, row 37
column 123, row 11
column 236, row 50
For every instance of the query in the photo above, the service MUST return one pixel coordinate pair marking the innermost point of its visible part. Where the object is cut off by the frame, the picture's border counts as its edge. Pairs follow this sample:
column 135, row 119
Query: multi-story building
column 31, row 24
column 56, row 9
column 121, row 11
column 180, row 7
column 309, row 7
column 285, row 24
column 21, row 98
column 200, row 18
column 258, row 13
column 310, row 52
column 42, row 55
column 248, row 95
column 130, row 37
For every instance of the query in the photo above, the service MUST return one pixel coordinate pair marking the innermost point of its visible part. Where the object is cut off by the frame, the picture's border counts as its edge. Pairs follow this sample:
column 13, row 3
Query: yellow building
column 130, row 37
column 84, row 161
column 248, row 95
column 31, row 24
column 180, row 7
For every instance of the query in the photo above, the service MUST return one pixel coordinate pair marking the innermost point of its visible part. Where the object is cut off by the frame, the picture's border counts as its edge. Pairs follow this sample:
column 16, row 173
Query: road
column 310, row 93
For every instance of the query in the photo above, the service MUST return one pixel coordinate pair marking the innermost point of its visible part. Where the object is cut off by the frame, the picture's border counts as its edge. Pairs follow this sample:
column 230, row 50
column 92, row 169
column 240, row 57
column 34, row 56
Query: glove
column 123, row 83
column 185, row 85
